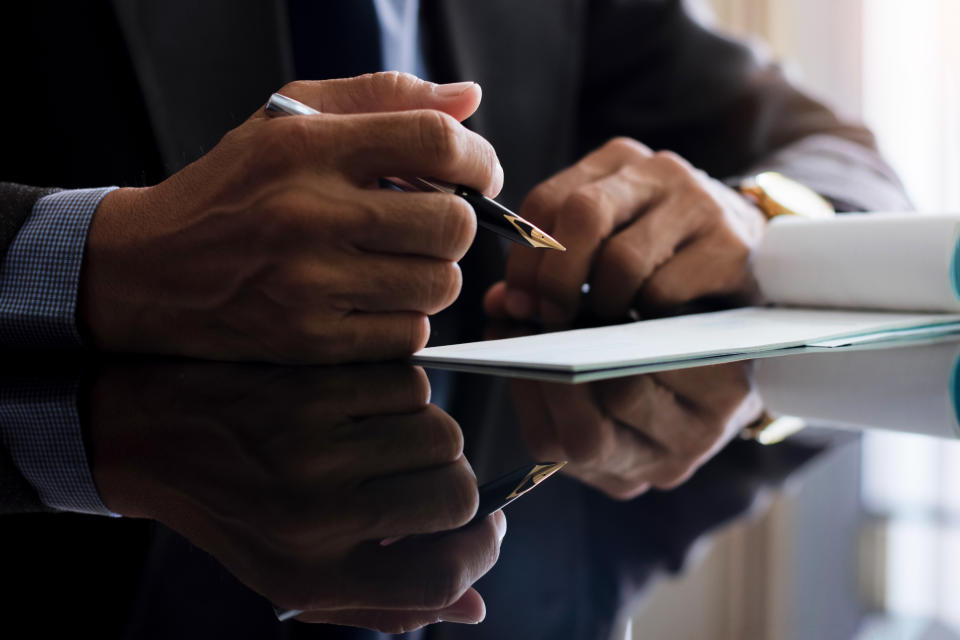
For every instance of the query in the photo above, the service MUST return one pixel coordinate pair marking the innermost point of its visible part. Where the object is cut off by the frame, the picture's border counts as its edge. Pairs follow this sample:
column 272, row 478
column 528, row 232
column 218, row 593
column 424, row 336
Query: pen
column 491, row 215
column 494, row 495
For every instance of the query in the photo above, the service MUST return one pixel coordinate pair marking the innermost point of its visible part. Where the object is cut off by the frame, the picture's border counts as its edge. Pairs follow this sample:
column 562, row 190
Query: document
column 746, row 332
column 851, row 279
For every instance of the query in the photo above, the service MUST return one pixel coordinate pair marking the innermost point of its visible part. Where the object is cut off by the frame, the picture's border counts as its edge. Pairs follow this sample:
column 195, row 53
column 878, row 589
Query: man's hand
column 278, row 245
column 626, row 435
column 292, row 477
column 645, row 230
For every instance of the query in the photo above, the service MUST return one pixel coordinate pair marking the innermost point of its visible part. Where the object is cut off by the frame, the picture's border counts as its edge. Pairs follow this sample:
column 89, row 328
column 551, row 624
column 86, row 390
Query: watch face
column 792, row 197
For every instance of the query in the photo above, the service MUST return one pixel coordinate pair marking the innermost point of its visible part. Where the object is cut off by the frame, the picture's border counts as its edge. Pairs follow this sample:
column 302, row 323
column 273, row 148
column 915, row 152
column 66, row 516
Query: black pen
column 494, row 495
column 491, row 215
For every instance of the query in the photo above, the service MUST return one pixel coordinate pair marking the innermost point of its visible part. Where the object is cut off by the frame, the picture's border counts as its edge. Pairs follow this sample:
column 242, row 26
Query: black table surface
column 244, row 479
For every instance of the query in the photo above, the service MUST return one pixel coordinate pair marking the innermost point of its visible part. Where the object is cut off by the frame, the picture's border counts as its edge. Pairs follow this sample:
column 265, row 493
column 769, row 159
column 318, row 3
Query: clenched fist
column 645, row 230
column 278, row 245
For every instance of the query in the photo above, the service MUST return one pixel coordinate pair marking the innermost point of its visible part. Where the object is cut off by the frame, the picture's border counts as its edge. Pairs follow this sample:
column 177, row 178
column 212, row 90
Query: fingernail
column 460, row 613
column 519, row 304
column 452, row 90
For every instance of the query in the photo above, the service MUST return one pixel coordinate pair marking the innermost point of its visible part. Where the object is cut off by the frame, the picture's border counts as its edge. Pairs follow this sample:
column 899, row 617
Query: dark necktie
column 334, row 38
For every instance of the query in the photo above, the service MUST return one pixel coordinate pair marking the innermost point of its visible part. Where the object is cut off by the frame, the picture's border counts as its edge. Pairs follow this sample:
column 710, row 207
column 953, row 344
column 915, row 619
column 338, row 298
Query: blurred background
column 867, row 543
column 894, row 64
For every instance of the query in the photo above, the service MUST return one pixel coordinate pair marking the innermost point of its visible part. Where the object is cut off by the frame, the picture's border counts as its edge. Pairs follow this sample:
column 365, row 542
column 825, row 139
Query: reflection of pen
column 491, row 215
column 494, row 495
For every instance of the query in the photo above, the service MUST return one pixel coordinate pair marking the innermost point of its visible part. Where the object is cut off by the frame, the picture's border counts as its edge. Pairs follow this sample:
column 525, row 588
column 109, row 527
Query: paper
column 747, row 331
column 911, row 388
column 895, row 262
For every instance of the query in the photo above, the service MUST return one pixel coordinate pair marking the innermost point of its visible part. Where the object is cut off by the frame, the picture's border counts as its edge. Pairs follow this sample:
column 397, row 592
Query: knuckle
column 418, row 333
column 539, row 201
column 462, row 497
column 419, row 386
column 675, row 167
column 459, row 227
column 444, row 286
column 589, row 208
column 626, row 490
column 625, row 145
column 620, row 257
column 394, row 83
column 658, row 293
column 591, row 446
column 297, row 88
column 672, row 476
column 443, row 439
column 446, row 583
column 439, row 136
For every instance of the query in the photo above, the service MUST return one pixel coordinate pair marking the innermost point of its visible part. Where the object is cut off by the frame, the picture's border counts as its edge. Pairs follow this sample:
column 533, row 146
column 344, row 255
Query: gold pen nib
column 545, row 240
column 536, row 475
column 535, row 236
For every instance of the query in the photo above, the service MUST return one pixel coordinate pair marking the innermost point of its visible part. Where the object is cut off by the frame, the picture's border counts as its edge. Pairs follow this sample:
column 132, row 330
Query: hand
column 278, row 246
column 645, row 230
column 291, row 478
column 625, row 435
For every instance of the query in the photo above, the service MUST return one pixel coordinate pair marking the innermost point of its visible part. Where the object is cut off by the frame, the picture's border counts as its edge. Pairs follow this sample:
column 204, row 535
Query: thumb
column 386, row 91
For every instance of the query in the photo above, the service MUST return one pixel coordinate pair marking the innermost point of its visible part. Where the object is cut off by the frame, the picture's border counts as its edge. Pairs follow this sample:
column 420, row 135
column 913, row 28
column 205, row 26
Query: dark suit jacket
column 103, row 92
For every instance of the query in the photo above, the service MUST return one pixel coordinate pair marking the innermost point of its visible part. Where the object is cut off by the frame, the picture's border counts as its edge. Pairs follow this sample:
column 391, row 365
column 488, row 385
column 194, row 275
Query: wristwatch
column 777, row 195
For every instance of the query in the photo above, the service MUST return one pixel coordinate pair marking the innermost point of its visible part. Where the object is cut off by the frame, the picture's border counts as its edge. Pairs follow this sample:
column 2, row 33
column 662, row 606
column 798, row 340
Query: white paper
column 738, row 331
column 902, row 389
column 899, row 262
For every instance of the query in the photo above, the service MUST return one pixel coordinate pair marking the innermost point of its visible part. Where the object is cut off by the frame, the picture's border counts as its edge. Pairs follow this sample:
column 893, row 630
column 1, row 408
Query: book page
column 898, row 262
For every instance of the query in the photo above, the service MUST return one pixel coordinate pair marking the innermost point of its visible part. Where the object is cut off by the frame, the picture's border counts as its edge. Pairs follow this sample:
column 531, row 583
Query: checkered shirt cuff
column 40, row 275
column 40, row 428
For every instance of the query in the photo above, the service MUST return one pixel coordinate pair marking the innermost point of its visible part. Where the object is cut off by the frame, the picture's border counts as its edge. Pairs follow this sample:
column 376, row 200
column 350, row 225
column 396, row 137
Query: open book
column 846, row 280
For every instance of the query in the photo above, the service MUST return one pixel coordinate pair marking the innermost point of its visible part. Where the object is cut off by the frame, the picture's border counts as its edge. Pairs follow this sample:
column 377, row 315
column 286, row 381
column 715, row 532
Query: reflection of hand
column 292, row 477
column 625, row 435
column 640, row 227
column 277, row 246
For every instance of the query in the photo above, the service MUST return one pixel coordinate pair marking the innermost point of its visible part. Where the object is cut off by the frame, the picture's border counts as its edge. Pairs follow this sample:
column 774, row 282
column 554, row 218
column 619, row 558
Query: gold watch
column 777, row 195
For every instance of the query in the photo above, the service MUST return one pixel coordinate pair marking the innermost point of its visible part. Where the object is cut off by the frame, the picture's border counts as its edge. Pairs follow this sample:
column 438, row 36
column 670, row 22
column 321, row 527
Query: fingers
column 368, row 146
column 419, row 143
column 705, row 267
column 422, row 573
column 627, row 260
column 423, row 501
column 544, row 207
column 354, row 337
column 390, row 444
column 399, row 283
column 680, row 438
column 435, row 225
column 589, row 216
column 385, row 91
column 358, row 390
column 633, row 222
column 468, row 609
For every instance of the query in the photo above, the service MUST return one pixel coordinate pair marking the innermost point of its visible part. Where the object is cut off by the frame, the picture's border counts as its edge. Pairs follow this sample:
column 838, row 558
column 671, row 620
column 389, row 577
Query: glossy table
column 246, row 485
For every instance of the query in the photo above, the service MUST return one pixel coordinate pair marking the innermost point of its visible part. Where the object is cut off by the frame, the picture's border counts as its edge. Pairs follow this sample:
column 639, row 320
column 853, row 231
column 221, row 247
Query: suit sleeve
column 16, row 203
column 652, row 72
